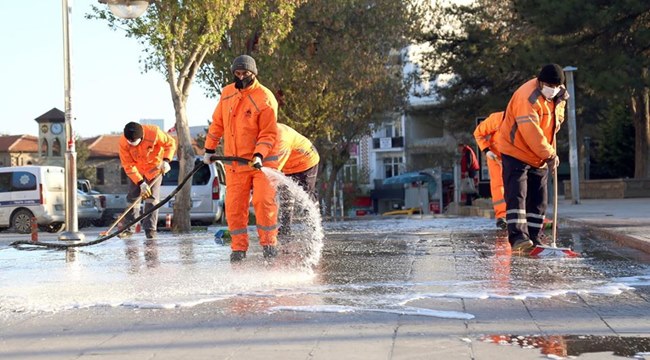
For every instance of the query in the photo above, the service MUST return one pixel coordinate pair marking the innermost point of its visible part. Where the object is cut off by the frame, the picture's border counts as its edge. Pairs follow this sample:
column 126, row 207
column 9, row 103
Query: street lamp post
column 127, row 9
column 72, row 231
column 573, row 137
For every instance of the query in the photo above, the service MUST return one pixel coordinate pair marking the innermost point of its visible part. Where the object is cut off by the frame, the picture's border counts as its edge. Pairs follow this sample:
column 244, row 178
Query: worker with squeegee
column 526, row 140
column 145, row 153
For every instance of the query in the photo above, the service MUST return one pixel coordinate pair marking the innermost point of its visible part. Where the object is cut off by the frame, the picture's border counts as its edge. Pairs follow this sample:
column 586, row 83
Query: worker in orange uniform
column 145, row 152
column 298, row 159
column 246, row 119
column 484, row 135
column 526, row 140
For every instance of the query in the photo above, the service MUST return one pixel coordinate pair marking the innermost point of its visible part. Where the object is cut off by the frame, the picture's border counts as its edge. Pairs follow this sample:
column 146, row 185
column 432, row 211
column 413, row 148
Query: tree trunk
column 641, row 118
column 185, row 154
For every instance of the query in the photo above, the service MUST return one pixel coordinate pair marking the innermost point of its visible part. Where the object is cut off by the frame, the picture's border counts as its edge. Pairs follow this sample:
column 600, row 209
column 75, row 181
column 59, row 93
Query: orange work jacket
column 530, row 123
column 295, row 152
column 484, row 132
column 246, row 119
column 142, row 161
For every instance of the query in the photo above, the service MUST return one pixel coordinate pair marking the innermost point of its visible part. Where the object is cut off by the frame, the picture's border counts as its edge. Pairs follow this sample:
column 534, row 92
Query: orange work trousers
column 496, row 188
column 240, row 183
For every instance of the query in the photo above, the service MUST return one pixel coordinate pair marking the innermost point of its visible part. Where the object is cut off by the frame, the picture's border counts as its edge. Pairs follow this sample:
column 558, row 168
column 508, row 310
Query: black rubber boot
column 269, row 251
column 237, row 256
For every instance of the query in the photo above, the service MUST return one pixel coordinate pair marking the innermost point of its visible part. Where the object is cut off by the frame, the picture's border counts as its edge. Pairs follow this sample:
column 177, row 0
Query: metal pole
column 72, row 231
column 573, row 138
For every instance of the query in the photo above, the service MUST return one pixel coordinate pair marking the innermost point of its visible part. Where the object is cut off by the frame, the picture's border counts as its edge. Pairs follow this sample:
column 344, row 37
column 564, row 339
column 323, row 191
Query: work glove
column 256, row 162
column 145, row 190
column 492, row 156
column 553, row 162
column 207, row 158
column 164, row 167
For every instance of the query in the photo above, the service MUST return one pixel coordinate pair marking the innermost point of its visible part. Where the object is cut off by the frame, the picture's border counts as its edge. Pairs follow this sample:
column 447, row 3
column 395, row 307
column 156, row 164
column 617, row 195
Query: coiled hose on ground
column 26, row 244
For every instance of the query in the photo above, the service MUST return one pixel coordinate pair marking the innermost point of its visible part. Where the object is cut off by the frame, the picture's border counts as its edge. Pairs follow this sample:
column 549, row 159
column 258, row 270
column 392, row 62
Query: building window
column 350, row 171
column 99, row 173
column 392, row 166
column 56, row 147
column 44, row 148
column 123, row 177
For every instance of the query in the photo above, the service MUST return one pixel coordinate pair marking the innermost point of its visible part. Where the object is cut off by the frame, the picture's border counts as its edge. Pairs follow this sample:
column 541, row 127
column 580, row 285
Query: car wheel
column 21, row 221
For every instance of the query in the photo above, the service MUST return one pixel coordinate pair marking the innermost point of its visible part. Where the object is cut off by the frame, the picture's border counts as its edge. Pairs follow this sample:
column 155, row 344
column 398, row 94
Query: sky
column 109, row 86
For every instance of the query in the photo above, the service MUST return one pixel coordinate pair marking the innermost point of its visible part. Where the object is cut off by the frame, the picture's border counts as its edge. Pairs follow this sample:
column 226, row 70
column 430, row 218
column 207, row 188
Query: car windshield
column 201, row 177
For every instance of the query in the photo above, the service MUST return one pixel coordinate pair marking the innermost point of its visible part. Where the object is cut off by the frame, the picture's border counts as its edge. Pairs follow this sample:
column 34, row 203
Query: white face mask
column 550, row 92
column 134, row 143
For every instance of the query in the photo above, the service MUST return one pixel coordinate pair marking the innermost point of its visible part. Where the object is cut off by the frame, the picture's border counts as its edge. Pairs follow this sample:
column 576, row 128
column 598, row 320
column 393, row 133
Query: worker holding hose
column 246, row 119
column 145, row 153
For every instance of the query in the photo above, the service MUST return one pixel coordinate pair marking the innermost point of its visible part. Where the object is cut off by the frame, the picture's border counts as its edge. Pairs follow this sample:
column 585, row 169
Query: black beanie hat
column 551, row 74
column 244, row 62
column 133, row 131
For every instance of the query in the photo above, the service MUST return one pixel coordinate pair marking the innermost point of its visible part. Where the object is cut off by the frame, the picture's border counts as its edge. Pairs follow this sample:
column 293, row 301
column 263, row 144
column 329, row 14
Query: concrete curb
column 609, row 234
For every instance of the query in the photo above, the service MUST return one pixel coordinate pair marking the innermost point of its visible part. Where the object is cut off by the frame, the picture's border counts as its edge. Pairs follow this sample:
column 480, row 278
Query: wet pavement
column 418, row 288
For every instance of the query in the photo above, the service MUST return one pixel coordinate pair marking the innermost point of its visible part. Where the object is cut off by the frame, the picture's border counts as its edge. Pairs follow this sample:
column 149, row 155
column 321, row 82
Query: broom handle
column 137, row 201
column 554, row 225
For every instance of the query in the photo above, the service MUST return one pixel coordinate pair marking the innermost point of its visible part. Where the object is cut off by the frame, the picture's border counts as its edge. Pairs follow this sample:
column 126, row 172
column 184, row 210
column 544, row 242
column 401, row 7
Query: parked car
column 89, row 209
column 207, row 194
column 112, row 205
column 32, row 191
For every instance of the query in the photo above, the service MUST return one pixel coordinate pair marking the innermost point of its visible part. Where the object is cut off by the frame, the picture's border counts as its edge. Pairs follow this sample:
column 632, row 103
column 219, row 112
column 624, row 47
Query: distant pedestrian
column 145, row 152
column 526, row 140
column 484, row 135
column 469, row 168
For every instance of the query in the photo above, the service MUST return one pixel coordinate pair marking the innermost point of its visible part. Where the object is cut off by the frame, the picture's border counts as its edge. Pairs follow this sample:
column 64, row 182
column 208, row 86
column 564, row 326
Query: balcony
column 387, row 143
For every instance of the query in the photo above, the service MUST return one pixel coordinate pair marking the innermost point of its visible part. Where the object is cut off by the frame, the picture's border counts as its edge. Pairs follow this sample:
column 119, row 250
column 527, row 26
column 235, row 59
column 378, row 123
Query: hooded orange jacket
column 530, row 124
column 295, row 152
column 142, row 161
column 484, row 132
column 247, row 121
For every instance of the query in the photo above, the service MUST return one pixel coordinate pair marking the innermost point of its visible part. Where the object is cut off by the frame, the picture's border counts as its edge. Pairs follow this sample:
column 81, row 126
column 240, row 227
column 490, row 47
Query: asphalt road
column 439, row 288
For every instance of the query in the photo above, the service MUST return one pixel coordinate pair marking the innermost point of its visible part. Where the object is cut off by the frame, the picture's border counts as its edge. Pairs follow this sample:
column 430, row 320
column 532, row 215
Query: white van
column 208, row 193
column 32, row 191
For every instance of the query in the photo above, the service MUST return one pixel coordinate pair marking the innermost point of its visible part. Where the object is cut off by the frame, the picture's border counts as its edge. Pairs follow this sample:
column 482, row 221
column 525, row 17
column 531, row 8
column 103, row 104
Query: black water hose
column 22, row 244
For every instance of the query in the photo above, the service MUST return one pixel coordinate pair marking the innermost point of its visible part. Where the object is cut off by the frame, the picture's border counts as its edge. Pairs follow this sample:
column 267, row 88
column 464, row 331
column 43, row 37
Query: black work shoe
column 125, row 234
column 237, row 256
column 502, row 224
column 269, row 251
column 150, row 234
column 522, row 245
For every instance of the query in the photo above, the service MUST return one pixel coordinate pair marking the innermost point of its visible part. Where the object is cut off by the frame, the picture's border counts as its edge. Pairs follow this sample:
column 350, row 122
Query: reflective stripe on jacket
column 295, row 152
column 247, row 122
column 484, row 132
column 529, row 124
column 142, row 161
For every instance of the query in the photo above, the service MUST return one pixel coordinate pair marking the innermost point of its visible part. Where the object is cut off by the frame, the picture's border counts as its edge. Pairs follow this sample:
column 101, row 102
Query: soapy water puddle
column 386, row 265
column 571, row 346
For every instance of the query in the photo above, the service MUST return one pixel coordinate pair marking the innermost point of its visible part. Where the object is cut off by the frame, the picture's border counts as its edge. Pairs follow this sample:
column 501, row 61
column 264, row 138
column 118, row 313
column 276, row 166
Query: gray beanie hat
column 244, row 62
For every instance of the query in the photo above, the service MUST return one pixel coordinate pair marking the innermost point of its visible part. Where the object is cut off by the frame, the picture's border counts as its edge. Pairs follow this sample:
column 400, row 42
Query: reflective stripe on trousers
column 525, row 190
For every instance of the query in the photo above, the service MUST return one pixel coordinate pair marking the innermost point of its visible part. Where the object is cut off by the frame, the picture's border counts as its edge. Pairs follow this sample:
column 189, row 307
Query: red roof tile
column 19, row 143
column 104, row 145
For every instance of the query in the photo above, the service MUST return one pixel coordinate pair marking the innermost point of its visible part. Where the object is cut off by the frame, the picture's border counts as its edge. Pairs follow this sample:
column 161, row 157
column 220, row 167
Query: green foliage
column 614, row 152
column 500, row 45
column 84, row 171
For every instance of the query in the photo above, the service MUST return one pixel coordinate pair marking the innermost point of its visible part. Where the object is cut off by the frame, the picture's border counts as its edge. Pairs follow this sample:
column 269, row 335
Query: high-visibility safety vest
column 246, row 119
column 530, row 123
column 484, row 132
column 295, row 152
column 143, row 160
